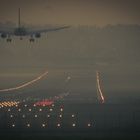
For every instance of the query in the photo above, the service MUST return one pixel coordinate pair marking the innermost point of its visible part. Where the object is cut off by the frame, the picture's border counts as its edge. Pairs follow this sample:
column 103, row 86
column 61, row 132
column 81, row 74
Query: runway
column 66, row 119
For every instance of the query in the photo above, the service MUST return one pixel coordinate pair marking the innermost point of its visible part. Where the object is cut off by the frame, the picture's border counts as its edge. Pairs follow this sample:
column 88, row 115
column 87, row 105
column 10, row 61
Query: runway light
column 23, row 116
column 58, row 125
column 9, row 110
column 11, row 116
column 61, row 109
column 60, row 116
column 89, row 125
column 34, row 105
column 35, row 116
column 72, row 115
column 43, row 125
column 13, row 125
column 52, row 105
column 51, row 109
column 40, row 109
column 48, row 116
column 30, row 109
column 25, row 105
column 73, row 125
column 19, row 109
column 28, row 125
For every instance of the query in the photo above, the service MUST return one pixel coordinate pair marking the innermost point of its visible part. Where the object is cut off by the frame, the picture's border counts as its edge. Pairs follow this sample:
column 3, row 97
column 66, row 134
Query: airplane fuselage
column 21, row 31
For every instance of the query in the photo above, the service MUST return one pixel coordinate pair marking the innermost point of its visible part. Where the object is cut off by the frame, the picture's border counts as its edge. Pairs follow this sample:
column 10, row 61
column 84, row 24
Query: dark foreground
column 84, row 121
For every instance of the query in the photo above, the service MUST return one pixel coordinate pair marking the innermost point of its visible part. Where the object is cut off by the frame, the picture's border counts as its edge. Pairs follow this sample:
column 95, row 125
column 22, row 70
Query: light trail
column 25, row 84
column 100, row 95
column 45, row 102
column 51, row 100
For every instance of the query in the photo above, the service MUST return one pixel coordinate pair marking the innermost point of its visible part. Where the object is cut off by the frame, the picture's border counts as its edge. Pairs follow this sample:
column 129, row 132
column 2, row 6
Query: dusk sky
column 72, row 12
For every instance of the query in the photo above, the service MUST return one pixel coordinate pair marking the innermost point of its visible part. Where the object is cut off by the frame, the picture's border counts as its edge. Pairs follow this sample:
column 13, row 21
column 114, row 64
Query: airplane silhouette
column 22, row 31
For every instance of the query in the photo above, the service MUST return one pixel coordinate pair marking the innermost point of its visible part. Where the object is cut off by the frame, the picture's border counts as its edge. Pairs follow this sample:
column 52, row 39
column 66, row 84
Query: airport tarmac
column 64, row 119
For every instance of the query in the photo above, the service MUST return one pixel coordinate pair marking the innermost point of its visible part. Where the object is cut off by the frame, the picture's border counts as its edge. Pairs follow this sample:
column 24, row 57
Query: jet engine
column 3, row 35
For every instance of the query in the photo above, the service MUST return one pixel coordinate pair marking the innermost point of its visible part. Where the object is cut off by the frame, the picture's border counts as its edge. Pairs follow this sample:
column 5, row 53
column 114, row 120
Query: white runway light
column 73, row 124
column 28, row 125
column 58, row 125
column 13, row 125
column 72, row 115
column 89, row 125
column 43, row 125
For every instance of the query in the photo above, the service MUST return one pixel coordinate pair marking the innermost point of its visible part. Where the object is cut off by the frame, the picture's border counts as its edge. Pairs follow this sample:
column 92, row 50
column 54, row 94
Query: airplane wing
column 7, row 32
column 46, row 30
column 27, row 32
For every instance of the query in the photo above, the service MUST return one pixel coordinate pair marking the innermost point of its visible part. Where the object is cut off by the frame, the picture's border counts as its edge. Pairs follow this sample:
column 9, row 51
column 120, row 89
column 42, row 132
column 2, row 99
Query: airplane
column 22, row 31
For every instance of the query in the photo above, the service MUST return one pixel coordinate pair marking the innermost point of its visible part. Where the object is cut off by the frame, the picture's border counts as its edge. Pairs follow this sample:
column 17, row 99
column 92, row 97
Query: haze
column 79, row 51
column 72, row 12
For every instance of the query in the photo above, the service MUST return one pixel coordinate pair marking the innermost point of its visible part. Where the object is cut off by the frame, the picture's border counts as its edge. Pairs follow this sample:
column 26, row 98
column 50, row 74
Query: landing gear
column 32, row 39
column 8, row 39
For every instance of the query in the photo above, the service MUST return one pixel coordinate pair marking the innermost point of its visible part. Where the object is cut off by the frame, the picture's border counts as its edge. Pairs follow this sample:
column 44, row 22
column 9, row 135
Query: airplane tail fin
column 19, row 18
